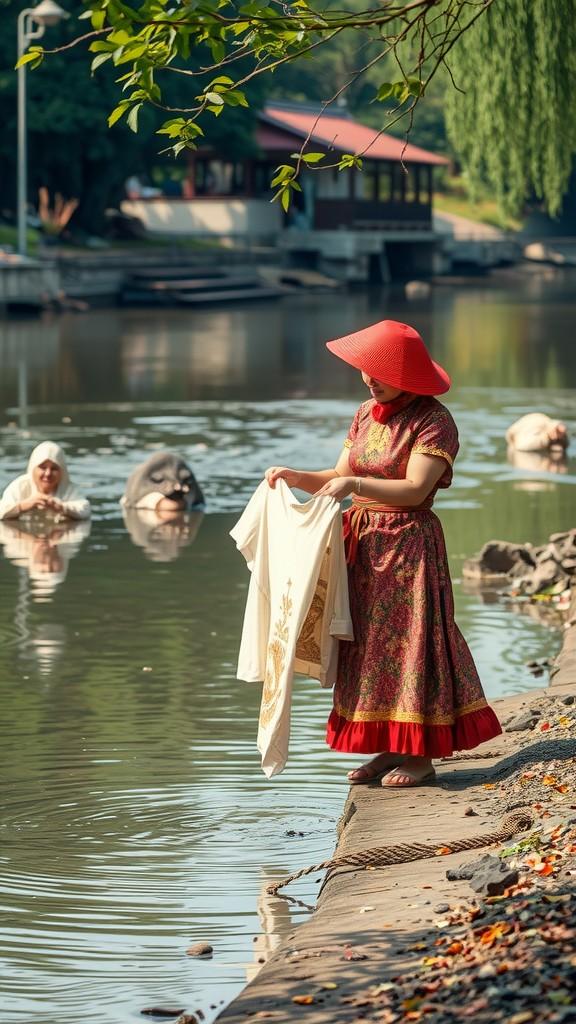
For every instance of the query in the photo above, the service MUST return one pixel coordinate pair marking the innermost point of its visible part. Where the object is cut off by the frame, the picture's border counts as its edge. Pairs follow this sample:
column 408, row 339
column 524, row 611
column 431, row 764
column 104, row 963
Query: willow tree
column 511, row 117
column 510, row 62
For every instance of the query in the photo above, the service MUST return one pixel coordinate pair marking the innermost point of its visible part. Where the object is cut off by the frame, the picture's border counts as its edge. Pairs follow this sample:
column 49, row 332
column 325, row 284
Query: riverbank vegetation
column 486, row 83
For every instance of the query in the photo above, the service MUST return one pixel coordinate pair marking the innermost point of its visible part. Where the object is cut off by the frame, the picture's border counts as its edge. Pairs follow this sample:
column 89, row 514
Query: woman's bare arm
column 311, row 482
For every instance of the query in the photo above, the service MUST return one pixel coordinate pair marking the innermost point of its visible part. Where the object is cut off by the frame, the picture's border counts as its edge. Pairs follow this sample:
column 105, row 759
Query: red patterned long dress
column 408, row 683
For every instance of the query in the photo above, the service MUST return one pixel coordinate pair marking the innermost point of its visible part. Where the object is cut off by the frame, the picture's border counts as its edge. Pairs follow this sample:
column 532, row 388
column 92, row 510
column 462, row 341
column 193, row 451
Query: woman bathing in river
column 407, row 687
column 44, row 487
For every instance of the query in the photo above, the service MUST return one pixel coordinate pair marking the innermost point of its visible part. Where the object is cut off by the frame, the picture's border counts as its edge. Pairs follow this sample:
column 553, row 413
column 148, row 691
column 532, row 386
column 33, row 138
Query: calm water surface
column 136, row 820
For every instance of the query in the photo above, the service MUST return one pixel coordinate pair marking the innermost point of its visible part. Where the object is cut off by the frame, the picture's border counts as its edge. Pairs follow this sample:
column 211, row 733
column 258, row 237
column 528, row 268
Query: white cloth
column 23, row 487
column 297, row 607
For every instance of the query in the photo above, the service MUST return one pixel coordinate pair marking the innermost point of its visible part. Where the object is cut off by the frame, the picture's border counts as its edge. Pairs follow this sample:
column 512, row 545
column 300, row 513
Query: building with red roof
column 388, row 201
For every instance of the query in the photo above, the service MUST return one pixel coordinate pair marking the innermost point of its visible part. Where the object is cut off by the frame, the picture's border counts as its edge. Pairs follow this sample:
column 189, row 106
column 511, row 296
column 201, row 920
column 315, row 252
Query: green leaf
column 217, row 49
column 221, row 80
column 34, row 56
column 98, row 19
column 98, row 61
column 386, row 91
column 285, row 198
column 312, row 158
column 214, row 98
column 414, row 86
column 131, row 53
column 101, row 46
column 283, row 173
column 118, row 112
column 132, row 119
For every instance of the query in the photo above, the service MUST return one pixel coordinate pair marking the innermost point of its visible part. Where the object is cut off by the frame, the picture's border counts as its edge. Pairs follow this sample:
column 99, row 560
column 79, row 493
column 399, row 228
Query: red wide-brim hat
column 394, row 354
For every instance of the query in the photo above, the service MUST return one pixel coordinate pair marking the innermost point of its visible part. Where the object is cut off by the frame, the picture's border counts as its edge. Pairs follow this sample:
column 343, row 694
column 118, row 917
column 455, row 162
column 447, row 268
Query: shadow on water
column 136, row 820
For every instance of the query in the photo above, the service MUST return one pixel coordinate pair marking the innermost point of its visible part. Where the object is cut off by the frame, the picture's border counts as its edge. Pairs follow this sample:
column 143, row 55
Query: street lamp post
column 32, row 23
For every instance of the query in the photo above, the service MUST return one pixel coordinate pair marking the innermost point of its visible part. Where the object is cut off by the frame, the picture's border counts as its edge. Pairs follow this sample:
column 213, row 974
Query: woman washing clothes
column 407, row 688
column 44, row 487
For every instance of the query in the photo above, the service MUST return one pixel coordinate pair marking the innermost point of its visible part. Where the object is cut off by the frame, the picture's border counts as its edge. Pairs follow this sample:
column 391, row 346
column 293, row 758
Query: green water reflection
column 136, row 820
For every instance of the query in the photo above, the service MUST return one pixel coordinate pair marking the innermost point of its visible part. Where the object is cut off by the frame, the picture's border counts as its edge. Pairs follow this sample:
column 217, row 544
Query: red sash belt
column 357, row 522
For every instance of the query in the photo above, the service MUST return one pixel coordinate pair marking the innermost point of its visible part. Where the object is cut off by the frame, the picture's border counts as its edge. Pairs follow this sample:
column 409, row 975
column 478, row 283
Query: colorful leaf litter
column 505, row 959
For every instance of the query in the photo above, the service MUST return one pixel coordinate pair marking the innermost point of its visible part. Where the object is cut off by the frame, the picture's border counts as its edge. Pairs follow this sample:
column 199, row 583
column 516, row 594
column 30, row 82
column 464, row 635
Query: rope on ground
column 381, row 856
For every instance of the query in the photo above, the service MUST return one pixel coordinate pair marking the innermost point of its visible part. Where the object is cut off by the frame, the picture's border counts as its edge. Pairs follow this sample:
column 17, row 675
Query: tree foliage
column 221, row 48
column 512, row 117
column 190, row 67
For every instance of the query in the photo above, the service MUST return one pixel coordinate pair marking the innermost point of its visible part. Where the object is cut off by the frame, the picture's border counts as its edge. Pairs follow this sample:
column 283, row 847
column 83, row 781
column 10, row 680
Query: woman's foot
column 373, row 770
column 412, row 772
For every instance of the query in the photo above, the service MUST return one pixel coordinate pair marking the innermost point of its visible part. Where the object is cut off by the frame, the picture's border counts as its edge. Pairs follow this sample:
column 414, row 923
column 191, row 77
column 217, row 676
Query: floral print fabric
column 408, row 683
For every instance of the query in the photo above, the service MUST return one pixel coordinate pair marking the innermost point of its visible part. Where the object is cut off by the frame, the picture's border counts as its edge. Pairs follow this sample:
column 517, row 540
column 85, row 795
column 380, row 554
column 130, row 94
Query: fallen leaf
column 351, row 954
column 454, row 948
column 443, row 851
column 303, row 1000
column 543, row 728
column 549, row 780
column 562, row 788
column 564, row 897
column 564, row 721
column 329, row 985
column 488, row 785
column 411, row 1004
column 494, row 931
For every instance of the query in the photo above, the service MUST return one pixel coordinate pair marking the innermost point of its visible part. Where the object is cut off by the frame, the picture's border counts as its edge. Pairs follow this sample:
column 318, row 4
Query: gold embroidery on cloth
column 308, row 647
column 377, row 439
column 276, row 659
column 429, row 449
column 403, row 716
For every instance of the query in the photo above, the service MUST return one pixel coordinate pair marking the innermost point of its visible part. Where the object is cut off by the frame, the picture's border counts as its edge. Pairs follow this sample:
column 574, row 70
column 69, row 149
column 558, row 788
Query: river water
column 136, row 820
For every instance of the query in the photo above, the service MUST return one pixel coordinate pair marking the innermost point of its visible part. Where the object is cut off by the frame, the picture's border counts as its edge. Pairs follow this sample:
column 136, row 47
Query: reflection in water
column 551, row 461
column 162, row 535
column 43, row 547
column 496, row 333
column 275, row 921
column 137, row 821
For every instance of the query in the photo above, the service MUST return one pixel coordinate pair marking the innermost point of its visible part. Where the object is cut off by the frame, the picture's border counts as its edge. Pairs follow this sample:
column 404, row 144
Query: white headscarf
column 24, row 486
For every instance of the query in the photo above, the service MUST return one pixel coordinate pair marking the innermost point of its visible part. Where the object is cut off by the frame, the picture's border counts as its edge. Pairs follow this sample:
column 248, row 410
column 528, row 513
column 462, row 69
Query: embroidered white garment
column 297, row 607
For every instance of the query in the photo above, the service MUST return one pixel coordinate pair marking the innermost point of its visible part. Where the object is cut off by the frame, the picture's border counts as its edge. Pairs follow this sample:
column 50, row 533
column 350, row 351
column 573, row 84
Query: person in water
column 44, row 487
column 407, row 689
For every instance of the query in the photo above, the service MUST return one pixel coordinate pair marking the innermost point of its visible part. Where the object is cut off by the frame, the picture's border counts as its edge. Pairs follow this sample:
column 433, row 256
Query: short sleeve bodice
column 382, row 450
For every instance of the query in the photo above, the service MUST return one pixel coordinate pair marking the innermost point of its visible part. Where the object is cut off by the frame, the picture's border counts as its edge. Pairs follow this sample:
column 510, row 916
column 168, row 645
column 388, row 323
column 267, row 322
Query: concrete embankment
column 382, row 939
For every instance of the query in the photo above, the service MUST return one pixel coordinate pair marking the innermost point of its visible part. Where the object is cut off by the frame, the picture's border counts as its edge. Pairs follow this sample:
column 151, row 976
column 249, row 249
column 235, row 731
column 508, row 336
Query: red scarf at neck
column 382, row 411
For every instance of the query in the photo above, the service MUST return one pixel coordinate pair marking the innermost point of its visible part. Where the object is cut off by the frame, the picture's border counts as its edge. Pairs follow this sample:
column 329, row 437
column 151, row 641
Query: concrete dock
column 371, row 925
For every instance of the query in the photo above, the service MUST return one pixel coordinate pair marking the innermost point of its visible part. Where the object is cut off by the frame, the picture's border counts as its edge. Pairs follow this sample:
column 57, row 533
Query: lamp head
column 48, row 13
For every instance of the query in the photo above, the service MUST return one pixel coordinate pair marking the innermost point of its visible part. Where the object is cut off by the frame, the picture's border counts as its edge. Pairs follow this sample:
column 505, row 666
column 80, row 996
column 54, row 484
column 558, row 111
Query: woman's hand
column 274, row 473
column 41, row 502
column 339, row 488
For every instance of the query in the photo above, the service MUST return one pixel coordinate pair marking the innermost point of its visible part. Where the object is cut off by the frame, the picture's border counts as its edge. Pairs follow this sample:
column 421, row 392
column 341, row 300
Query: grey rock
column 546, row 574
column 200, row 949
column 568, row 699
column 522, row 722
column 462, row 874
column 442, row 908
column 492, row 876
column 499, row 558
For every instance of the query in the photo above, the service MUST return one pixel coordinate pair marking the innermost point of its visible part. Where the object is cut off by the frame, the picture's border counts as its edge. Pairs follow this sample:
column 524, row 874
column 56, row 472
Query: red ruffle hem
column 468, row 731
